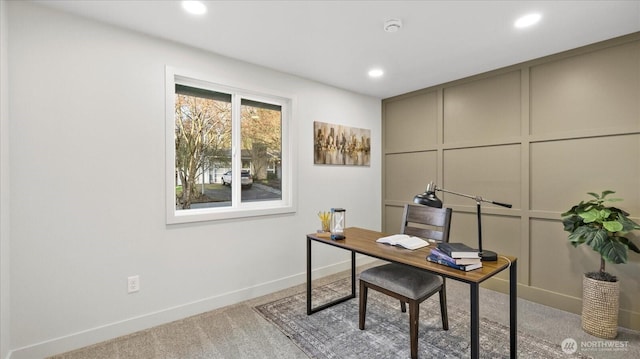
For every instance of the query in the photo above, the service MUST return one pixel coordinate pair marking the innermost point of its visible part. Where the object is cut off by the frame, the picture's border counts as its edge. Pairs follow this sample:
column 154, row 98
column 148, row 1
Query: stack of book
column 456, row 255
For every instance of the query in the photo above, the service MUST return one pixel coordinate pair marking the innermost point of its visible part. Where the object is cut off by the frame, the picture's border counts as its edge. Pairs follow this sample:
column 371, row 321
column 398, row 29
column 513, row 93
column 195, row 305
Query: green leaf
column 596, row 238
column 627, row 224
column 571, row 223
column 570, row 212
column 578, row 236
column 594, row 194
column 614, row 252
column 590, row 216
column 618, row 211
column 612, row 226
column 629, row 244
column 606, row 193
column 586, row 207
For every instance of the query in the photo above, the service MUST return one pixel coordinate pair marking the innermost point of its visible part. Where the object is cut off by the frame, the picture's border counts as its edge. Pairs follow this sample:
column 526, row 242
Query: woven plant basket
column 600, row 304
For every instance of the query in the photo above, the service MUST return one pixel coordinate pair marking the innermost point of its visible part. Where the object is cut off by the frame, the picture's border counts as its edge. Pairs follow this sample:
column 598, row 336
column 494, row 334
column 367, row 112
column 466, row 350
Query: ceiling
column 338, row 42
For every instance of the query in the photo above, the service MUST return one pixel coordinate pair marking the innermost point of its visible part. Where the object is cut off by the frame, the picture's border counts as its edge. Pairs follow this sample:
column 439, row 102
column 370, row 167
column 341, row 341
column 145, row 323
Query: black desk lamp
column 429, row 198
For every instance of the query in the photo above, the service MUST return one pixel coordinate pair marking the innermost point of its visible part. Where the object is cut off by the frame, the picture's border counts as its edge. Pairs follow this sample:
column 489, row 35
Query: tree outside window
column 204, row 140
column 261, row 137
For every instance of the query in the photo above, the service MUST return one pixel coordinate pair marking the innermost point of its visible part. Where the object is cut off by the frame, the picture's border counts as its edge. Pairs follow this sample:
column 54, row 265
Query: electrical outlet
column 133, row 284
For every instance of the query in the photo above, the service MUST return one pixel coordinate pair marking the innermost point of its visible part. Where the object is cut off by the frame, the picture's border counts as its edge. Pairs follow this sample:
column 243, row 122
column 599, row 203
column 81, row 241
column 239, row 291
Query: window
column 228, row 151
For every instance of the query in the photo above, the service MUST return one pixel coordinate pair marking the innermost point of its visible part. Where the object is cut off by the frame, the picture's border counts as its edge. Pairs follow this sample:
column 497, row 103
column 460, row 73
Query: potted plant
column 602, row 228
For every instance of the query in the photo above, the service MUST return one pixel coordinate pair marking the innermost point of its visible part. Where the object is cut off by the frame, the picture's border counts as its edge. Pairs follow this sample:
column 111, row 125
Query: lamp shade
column 428, row 198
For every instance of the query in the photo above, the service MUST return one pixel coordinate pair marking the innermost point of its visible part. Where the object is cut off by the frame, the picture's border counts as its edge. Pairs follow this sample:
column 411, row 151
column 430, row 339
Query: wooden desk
column 363, row 241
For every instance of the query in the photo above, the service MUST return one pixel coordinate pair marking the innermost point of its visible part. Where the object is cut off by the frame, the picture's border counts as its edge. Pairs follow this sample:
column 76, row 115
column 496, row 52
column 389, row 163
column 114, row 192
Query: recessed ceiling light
column 194, row 7
column 376, row 73
column 527, row 20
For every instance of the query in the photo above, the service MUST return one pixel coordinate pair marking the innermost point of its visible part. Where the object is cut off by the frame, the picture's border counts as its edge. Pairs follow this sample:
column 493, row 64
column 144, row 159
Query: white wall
column 4, row 186
column 87, row 186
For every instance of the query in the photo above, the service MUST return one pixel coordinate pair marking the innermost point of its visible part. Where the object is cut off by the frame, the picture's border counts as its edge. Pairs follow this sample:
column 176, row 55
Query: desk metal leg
column 311, row 310
column 475, row 320
column 353, row 274
column 308, row 276
column 513, row 309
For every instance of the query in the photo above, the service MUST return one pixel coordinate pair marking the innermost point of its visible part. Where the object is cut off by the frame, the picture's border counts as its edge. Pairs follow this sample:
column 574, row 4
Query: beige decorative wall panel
column 483, row 110
column 407, row 174
column 562, row 172
column 411, row 123
column 538, row 135
column 492, row 172
column 393, row 219
column 596, row 90
column 553, row 257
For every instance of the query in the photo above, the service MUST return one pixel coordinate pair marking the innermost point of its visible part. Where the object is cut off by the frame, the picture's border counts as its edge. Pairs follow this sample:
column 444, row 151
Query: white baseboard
column 148, row 320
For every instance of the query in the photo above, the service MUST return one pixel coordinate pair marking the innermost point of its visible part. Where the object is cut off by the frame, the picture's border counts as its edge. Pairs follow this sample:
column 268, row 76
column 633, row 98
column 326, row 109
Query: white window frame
column 238, row 209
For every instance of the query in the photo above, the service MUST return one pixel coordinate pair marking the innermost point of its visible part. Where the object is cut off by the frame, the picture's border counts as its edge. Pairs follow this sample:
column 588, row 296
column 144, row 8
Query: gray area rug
column 334, row 332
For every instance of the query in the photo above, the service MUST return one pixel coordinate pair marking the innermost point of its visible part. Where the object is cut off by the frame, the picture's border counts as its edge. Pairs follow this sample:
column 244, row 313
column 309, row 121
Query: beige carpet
column 238, row 331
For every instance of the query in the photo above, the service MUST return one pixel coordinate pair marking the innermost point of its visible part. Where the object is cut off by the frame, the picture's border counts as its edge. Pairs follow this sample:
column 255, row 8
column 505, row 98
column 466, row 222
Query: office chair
column 407, row 284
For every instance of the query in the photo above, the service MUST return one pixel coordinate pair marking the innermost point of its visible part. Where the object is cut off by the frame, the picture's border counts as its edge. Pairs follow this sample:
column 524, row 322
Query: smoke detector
column 392, row 25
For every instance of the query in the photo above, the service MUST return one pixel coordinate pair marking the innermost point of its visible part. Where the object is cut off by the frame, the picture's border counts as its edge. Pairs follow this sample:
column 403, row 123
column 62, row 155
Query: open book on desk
column 403, row 240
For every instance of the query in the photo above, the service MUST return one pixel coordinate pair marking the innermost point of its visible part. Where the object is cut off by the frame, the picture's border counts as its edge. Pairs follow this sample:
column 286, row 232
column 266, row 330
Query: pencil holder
column 325, row 221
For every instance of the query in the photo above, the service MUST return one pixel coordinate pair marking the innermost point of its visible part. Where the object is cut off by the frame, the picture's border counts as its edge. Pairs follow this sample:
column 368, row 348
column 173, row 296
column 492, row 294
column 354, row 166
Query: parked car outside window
column 246, row 178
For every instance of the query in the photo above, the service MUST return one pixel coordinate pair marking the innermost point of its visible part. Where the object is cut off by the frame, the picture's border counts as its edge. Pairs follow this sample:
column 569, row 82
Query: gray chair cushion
column 407, row 281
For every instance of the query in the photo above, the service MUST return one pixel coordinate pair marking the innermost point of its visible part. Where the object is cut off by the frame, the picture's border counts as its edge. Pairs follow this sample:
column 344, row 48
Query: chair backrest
column 426, row 222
